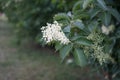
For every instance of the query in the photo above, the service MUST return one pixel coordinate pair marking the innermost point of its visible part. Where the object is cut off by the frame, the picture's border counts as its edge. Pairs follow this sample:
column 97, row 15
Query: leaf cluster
column 93, row 27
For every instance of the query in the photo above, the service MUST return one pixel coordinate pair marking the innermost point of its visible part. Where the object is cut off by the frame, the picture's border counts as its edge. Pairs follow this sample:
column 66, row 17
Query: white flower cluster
column 53, row 32
column 98, row 50
column 107, row 30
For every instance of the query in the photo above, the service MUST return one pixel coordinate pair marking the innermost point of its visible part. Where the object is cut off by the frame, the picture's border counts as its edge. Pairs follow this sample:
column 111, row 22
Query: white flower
column 105, row 30
column 69, row 61
column 53, row 32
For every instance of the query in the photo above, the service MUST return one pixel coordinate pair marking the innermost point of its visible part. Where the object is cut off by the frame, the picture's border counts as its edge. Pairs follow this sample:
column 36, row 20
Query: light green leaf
column 80, row 58
column 61, row 16
column 80, row 14
column 86, row 3
column 64, row 51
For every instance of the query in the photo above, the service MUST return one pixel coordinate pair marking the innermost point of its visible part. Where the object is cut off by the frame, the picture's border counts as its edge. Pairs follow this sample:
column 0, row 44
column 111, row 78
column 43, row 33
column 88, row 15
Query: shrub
column 92, row 30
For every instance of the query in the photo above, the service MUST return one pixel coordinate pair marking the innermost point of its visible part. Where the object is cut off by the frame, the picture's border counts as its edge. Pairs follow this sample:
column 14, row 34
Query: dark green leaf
column 92, row 26
column 64, row 51
column 58, row 46
column 77, row 6
column 102, row 4
column 106, row 18
column 83, row 41
column 80, row 58
column 117, row 34
column 66, row 29
column 115, row 13
column 79, row 24
column 94, row 12
column 73, row 38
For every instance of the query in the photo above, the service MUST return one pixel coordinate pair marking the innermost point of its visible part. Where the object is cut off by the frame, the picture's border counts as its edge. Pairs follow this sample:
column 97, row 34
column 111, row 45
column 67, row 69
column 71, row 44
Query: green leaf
column 64, row 51
column 102, row 4
column 83, row 41
column 86, row 3
column 115, row 13
column 77, row 6
column 80, row 14
column 117, row 34
column 58, row 46
column 73, row 38
column 106, row 18
column 79, row 24
column 66, row 29
column 109, row 46
column 94, row 12
column 92, row 26
column 61, row 16
column 80, row 58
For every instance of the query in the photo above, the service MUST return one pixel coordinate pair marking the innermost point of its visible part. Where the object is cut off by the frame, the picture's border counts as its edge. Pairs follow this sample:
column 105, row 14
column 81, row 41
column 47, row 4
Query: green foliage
column 93, row 27
column 65, row 50
column 83, row 41
column 80, row 57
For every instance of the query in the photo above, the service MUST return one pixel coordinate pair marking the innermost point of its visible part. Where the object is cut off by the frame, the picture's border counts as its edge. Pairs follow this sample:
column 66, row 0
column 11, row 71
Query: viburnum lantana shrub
column 91, row 33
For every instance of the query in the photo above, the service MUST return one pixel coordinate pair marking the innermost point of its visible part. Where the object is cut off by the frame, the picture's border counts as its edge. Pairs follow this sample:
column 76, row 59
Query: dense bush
column 92, row 29
column 29, row 15
column 92, row 32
